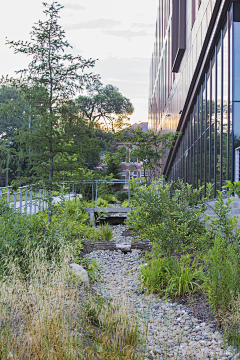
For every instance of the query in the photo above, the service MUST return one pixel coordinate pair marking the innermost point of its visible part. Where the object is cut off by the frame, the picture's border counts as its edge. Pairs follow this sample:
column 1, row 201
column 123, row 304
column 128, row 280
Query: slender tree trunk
column 50, row 199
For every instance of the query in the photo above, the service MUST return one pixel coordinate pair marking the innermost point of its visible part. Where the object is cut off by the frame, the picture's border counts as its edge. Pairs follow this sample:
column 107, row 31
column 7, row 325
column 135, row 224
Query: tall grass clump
column 50, row 316
column 169, row 276
column 106, row 232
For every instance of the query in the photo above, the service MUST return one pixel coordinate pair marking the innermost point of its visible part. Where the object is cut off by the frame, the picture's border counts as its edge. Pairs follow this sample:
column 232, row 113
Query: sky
column 120, row 34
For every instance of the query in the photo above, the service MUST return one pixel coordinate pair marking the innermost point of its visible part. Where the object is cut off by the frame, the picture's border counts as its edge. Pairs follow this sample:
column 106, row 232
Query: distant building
column 132, row 168
column 195, row 89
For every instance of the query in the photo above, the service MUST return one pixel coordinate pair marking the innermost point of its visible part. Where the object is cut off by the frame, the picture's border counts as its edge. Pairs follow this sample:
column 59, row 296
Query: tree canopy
column 105, row 105
column 149, row 147
column 47, row 85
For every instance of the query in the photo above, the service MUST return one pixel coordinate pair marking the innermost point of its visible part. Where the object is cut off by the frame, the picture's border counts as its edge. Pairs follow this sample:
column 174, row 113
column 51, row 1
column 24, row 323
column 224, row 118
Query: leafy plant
column 173, row 214
column 121, row 195
column 166, row 275
column 106, row 232
column 91, row 267
column 154, row 276
column 223, row 223
column 111, row 199
column 222, row 280
column 91, row 233
column 184, row 279
column 125, row 204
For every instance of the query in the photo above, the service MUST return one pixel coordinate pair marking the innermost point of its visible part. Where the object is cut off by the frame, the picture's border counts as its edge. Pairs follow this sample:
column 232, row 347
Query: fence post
column 8, row 194
column 96, row 194
column 15, row 200
column 43, row 199
column 69, row 193
column 30, row 205
column 20, row 200
column 39, row 199
column 26, row 204
column 35, row 198
column 92, row 196
column 0, row 193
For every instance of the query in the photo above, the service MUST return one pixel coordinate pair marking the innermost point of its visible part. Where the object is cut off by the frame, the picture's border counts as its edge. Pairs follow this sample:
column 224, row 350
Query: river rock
column 81, row 272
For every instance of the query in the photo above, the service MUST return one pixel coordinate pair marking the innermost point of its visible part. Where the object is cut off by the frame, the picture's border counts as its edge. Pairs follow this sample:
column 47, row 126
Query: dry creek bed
column 172, row 330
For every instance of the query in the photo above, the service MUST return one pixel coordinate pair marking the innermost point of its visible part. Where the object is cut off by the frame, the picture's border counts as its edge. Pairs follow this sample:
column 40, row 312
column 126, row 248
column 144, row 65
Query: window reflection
column 218, row 116
column 225, row 106
column 213, row 77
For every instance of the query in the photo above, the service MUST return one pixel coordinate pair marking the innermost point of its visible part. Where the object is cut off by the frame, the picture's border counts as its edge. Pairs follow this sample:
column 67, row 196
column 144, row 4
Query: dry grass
column 49, row 316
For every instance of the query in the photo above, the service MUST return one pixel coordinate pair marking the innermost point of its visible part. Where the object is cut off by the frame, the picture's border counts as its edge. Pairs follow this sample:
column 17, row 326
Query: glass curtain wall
column 205, row 152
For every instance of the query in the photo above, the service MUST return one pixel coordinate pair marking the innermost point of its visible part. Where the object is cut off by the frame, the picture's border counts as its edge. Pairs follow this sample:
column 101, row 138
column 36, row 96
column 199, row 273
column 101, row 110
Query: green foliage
column 232, row 187
column 222, row 280
column 106, row 106
column 149, row 147
column 102, row 203
column 54, row 139
column 106, row 232
column 224, row 224
column 173, row 214
column 111, row 199
column 91, row 267
column 121, row 196
column 125, row 204
column 184, row 278
column 166, row 275
column 90, row 233
column 21, row 233
column 154, row 276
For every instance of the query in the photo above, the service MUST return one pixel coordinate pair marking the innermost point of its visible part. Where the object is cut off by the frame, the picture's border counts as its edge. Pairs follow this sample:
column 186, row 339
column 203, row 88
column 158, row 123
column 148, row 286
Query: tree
column 148, row 147
column 53, row 78
column 12, row 118
column 106, row 106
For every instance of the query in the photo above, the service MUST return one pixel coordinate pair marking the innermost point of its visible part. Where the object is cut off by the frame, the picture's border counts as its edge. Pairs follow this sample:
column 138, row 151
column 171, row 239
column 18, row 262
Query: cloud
column 74, row 6
column 127, row 34
column 143, row 26
column 94, row 24
column 131, row 76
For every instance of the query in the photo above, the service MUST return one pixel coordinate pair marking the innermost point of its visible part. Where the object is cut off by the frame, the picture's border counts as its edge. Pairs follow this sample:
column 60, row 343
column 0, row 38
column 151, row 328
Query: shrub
column 125, row 204
column 91, row 233
column 224, row 224
column 109, row 198
column 173, row 215
column 20, row 232
column 121, row 196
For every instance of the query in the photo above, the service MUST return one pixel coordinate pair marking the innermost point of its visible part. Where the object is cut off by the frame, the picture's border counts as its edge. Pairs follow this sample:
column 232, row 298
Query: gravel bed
column 172, row 332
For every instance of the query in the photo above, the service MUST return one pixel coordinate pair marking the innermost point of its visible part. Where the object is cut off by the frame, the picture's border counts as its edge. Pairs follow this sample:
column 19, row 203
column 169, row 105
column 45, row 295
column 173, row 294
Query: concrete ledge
column 110, row 210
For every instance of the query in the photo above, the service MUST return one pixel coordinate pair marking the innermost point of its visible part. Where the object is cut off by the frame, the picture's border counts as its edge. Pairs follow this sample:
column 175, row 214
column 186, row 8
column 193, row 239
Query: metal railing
column 26, row 199
column 30, row 199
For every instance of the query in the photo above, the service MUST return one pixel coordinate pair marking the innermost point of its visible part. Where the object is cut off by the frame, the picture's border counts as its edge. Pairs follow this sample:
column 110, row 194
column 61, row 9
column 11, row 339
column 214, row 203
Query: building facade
column 195, row 89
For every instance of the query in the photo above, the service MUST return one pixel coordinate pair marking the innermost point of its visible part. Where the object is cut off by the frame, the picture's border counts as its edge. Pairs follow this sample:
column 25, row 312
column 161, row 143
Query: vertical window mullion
column 221, row 134
column 210, row 122
column 200, row 117
column 229, row 82
column 215, row 129
column 205, row 137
